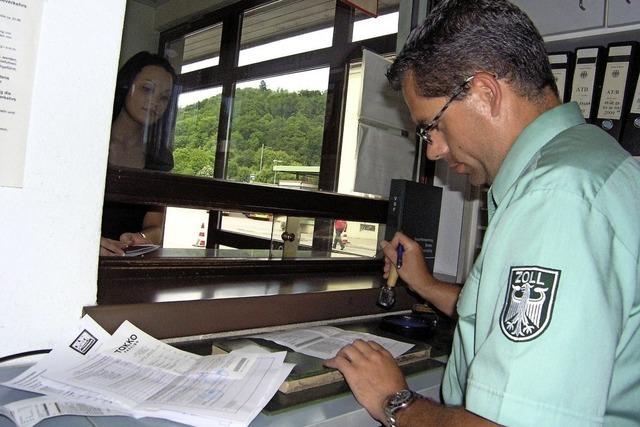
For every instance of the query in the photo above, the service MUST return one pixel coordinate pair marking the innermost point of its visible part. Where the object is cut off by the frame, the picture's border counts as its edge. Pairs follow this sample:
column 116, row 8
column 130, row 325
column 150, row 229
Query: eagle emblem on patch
column 528, row 304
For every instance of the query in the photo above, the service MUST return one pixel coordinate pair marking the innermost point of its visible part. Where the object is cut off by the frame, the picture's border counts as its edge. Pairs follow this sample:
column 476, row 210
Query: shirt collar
column 535, row 136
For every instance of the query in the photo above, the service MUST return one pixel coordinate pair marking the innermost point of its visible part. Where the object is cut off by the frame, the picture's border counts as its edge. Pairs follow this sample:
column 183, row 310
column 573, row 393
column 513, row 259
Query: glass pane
column 197, row 50
column 351, row 148
column 358, row 238
column 286, row 27
column 374, row 27
column 276, row 129
column 196, row 132
column 348, row 238
column 260, row 235
column 255, row 224
column 348, row 159
column 185, row 228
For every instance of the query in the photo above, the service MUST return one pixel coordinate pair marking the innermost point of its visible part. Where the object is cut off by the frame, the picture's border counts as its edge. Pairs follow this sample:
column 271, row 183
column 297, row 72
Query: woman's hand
column 130, row 239
column 110, row 247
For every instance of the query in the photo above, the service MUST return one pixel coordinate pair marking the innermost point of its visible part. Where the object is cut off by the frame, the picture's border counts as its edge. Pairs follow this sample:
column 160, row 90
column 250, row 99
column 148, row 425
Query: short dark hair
column 461, row 37
column 159, row 154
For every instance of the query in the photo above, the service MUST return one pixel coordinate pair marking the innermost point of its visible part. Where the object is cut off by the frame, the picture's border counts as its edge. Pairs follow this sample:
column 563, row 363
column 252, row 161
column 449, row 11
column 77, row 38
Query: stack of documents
column 131, row 373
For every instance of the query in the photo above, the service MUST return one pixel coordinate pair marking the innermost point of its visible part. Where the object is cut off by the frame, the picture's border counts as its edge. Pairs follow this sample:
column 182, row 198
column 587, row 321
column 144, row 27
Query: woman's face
column 149, row 95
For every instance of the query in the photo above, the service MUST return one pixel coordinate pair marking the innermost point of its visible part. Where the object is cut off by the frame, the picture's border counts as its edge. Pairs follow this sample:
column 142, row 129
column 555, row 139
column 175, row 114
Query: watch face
column 401, row 397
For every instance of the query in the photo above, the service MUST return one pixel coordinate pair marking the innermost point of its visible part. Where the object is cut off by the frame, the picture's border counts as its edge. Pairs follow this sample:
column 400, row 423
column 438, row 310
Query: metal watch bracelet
column 397, row 402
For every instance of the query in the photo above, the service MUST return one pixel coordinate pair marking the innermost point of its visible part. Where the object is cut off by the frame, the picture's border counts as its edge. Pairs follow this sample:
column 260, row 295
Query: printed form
column 131, row 373
column 325, row 341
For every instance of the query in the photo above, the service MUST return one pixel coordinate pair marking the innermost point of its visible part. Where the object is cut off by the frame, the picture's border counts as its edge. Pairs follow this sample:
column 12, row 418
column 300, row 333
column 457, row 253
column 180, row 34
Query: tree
column 267, row 125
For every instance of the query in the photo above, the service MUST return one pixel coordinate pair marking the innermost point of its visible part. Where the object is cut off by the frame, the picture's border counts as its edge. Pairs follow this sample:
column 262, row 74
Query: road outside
column 184, row 226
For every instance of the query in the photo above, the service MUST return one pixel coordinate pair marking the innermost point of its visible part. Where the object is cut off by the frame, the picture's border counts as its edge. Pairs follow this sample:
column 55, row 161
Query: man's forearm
column 425, row 413
column 443, row 295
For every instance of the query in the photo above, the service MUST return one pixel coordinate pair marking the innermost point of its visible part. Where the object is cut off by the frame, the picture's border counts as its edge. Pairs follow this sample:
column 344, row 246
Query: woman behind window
column 143, row 111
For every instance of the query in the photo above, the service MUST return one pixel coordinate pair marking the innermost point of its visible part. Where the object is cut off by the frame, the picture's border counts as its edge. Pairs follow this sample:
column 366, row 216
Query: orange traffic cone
column 201, row 242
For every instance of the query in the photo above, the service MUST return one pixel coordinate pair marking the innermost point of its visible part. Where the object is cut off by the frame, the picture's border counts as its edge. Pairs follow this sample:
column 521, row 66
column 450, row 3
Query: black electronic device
column 414, row 209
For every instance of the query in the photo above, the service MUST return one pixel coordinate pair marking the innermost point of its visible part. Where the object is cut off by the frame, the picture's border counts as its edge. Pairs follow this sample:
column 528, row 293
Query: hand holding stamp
column 387, row 297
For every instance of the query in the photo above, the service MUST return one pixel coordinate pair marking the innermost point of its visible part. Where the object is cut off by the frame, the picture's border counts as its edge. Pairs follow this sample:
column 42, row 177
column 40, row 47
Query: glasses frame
column 424, row 131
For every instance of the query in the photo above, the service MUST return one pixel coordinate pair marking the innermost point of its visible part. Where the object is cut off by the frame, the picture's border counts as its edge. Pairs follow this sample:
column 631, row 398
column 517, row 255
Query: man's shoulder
column 582, row 159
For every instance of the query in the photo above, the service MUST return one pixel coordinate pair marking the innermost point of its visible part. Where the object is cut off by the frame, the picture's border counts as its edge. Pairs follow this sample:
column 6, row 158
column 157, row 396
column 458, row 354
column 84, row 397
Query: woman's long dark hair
column 159, row 152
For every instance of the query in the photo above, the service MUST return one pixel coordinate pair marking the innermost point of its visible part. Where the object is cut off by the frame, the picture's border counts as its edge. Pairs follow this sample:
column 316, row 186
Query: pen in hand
column 399, row 254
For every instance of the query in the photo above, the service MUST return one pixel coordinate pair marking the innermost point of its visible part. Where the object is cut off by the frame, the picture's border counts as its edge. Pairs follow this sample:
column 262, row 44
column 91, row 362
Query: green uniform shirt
column 549, row 318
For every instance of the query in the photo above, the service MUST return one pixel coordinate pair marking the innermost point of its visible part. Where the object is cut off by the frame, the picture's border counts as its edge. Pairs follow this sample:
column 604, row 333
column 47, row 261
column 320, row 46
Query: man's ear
column 489, row 91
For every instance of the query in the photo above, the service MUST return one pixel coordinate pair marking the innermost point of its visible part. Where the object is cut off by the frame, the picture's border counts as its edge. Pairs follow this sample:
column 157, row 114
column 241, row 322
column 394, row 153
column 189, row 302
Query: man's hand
column 110, row 247
column 371, row 372
column 416, row 275
column 414, row 271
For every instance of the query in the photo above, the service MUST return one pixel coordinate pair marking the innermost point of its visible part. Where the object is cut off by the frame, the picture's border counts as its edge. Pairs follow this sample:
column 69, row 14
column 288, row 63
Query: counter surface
column 338, row 411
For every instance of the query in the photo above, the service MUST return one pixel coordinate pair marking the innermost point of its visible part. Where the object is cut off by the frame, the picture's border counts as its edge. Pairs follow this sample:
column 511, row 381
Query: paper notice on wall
column 19, row 34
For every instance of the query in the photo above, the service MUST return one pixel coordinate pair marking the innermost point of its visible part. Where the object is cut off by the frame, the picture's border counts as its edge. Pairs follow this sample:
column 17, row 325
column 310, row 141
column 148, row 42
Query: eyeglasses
column 423, row 131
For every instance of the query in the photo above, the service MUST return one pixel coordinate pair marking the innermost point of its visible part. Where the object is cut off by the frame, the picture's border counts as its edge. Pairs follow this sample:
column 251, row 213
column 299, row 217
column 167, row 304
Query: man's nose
column 438, row 149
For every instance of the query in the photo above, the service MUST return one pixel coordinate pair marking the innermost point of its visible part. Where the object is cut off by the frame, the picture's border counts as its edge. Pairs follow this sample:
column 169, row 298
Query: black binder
column 631, row 132
column 414, row 209
column 562, row 64
column 617, row 87
column 586, row 83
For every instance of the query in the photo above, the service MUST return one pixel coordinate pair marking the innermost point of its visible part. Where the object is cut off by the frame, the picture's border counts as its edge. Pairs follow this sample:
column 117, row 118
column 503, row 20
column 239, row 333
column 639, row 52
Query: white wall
column 50, row 227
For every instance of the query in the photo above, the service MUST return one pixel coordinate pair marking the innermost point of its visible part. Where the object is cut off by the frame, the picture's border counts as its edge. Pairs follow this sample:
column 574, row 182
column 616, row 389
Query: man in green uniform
column 548, row 329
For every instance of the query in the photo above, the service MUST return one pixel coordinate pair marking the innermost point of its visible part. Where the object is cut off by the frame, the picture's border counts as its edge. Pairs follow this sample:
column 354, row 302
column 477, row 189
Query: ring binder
column 616, row 87
column 587, row 79
column 562, row 64
column 631, row 131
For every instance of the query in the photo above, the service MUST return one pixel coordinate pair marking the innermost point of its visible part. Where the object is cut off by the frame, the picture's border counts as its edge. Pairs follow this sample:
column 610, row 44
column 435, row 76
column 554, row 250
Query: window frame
column 157, row 188
column 227, row 73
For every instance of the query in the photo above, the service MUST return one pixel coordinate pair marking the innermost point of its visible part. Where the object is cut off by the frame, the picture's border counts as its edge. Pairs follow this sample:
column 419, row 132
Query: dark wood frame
column 122, row 282
column 126, row 286
column 160, row 188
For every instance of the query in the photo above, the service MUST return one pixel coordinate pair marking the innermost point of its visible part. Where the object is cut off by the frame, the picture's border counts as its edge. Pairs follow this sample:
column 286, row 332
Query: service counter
column 329, row 405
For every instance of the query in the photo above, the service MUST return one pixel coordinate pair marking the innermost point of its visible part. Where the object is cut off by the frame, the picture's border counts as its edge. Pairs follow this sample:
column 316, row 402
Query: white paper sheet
column 132, row 373
column 325, row 341
column 20, row 23
column 29, row 412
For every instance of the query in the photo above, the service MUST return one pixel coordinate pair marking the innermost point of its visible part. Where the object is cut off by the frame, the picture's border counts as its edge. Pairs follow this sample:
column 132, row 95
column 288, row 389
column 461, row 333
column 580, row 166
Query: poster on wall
column 19, row 31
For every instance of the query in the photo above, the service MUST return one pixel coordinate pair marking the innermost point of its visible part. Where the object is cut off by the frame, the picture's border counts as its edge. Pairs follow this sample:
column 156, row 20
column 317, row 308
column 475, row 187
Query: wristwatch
column 397, row 402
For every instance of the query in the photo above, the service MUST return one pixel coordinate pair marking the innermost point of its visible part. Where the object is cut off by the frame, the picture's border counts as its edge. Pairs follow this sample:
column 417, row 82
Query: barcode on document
column 240, row 364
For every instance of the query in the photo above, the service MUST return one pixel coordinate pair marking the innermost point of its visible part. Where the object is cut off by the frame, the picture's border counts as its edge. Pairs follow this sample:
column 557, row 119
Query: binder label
column 560, row 75
column 635, row 106
column 584, row 78
column 613, row 91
